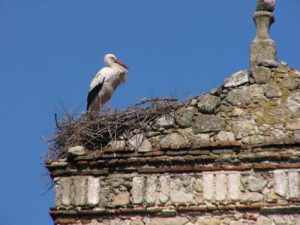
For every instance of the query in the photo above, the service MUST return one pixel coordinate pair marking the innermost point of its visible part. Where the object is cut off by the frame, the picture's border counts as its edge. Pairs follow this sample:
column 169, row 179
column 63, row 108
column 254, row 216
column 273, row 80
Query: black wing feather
column 93, row 93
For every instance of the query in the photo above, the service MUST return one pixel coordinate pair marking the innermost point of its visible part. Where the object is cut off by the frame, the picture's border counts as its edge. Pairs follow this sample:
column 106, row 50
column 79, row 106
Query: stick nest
column 93, row 130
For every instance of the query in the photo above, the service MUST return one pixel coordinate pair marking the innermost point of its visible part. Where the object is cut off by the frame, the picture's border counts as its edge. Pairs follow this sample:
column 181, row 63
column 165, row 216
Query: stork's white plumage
column 105, row 83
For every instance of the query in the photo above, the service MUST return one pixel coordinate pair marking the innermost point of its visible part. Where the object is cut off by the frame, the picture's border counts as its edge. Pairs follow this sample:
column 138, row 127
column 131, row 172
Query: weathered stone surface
column 79, row 190
column 58, row 191
column 268, row 63
column 146, row 146
column 137, row 221
column 76, row 150
column 237, row 79
column 293, row 103
column 221, row 187
column 237, row 112
column 165, row 122
column 278, row 134
column 256, row 183
column 173, row 139
column 243, row 128
column 245, row 94
column 293, row 124
column 121, row 199
column 93, row 190
column 208, row 186
column 251, row 197
column 184, row 117
column 290, row 84
column 66, row 184
column 261, row 74
column 293, row 184
column 164, row 188
column 119, row 222
column 271, row 91
column 208, row 103
column 137, row 191
column 281, row 183
column 168, row 221
column 233, row 185
column 206, row 123
column 198, row 185
column 236, row 223
column 296, row 136
column 225, row 136
column 209, row 221
column 150, row 190
column 262, row 220
column 181, row 197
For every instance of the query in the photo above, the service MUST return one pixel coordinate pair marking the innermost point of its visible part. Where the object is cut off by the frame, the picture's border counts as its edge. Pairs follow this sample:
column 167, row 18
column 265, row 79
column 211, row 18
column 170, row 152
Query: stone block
column 234, row 184
column 245, row 94
column 173, row 139
column 206, row 123
column 180, row 197
column 225, row 136
column 293, row 103
column 93, row 190
column 122, row 199
column 76, row 151
column 221, row 187
column 281, row 183
column 79, row 190
column 261, row 74
column 256, row 183
column 250, row 197
column 293, row 124
column 209, row 221
column 262, row 220
column 150, row 190
column 237, row 79
column 293, row 184
column 164, row 188
column 184, row 117
column 208, row 186
column 271, row 91
column 168, row 221
column 165, row 122
column 137, row 191
column 208, row 103
column 66, row 184
column 58, row 192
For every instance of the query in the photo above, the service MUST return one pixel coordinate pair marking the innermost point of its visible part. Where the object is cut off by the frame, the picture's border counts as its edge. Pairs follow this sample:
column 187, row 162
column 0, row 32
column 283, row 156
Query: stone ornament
column 265, row 5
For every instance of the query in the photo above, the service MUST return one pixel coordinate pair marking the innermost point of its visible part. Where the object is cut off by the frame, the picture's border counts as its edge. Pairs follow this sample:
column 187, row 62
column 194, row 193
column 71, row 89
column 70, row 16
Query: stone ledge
column 158, row 211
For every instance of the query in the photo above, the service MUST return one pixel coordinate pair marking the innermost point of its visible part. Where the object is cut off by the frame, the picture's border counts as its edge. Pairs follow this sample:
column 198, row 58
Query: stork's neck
column 118, row 67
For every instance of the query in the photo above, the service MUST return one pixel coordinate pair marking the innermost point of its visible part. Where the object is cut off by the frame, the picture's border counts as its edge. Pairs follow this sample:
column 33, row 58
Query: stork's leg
column 108, row 105
column 100, row 105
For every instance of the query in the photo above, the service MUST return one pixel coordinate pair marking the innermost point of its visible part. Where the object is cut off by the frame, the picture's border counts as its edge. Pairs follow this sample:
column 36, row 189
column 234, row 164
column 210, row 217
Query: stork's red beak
column 122, row 64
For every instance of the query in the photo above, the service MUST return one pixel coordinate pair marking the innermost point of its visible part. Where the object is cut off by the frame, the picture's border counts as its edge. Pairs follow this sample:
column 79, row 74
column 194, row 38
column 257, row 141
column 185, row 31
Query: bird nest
column 95, row 130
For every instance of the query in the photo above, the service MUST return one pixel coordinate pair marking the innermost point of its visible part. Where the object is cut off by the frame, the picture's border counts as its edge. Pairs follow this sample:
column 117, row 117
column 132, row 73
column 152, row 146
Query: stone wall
column 206, row 190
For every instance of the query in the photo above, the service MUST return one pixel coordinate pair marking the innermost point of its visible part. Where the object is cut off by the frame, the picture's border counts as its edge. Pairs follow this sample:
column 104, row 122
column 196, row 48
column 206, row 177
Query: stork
column 105, row 83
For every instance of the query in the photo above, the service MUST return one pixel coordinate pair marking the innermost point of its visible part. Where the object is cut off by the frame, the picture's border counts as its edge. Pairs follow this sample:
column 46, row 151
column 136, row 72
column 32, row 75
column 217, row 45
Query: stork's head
column 110, row 59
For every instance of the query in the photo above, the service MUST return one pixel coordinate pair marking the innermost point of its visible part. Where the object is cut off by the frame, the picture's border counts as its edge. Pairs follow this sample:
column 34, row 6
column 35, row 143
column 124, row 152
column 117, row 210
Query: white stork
column 105, row 83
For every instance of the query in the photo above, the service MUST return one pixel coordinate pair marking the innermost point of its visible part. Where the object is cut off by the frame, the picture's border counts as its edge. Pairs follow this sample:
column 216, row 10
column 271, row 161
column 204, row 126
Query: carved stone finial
column 263, row 47
column 265, row 5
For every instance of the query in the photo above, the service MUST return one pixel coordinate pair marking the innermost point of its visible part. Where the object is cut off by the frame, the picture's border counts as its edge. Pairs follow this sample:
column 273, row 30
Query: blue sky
column 51, row 49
